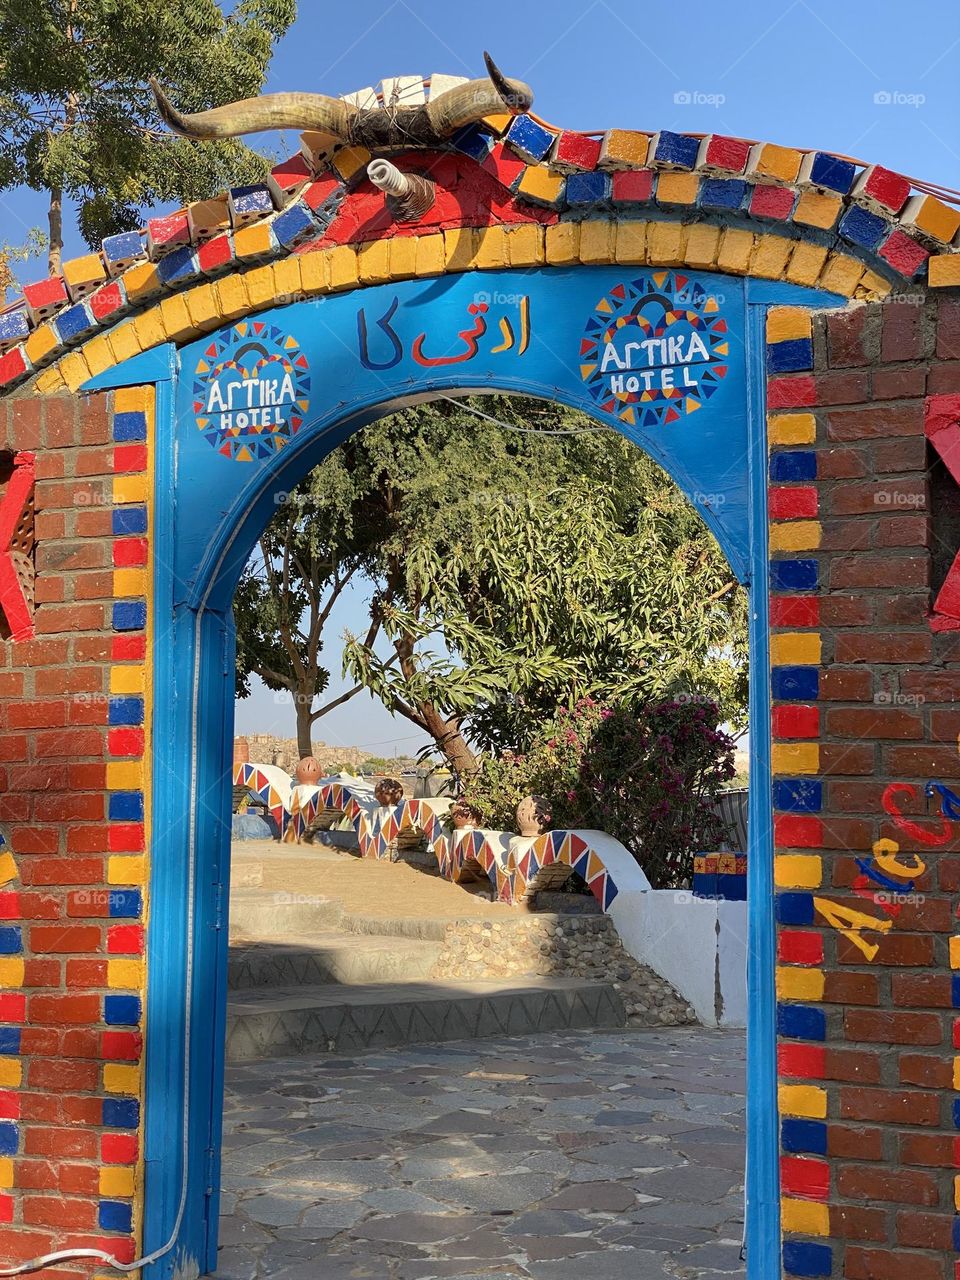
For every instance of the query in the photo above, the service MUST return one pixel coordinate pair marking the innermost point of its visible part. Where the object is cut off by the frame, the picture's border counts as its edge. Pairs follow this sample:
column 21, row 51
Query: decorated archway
column 167, row 389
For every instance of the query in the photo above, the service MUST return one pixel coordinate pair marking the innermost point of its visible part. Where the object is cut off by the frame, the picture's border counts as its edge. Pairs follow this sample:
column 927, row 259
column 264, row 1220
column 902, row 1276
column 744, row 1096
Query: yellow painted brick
column 944, row 270
column 805, row 1217
column 126, row 975
column 814, row 209
column 175, row 318
column 540, row 183
column 231, row 296
column 498, row 123
column 806, row 263
column 350, row 160
column 127, row 679
column 141, row 281
column 120, row 1077
column 129, row 489
column 460, row 248
column 597, row 240
column 11, row 972
column 791, row 428
column 98, row 354
column 124, row 869
column 149, row 329
column 624, row 149
column 492, row 251
column 288, row 279
column 841, row 274
column 703, row 245
column 785, row 324
column 124, row 342
column 665, row 241
column 803, row 1099
column 796, row 535
column 42, row 343
column 75, row 370
column 525, row 244
column 6, row 1173
column 562, row 243
column 8, row 868
column 129, row 582
column 208, row 218
column 130, row 399
column 50, row 381
column 872, row 286
column 779, row 163
column 431, row 255
column 342, row 267
column 799, row 984
column 373, row 262
column 936, row 219
column 678, row 188
column 11, row 1073
column 956, row 1074
column 956, row 1192
column 631, row 246
column 955, row 953
column 314, row 276
column 261, row 287
column 770, row 257
column 124, row 775
column 254, row 241
column 797, row 871
column 736, row 247
column 84, row 273
column 117, row 1180
column 792, row 757
column 403, row 257
column 203, row 306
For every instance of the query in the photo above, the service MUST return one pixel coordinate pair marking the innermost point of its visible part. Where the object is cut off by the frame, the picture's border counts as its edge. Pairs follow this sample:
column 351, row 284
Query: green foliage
column 648, row 775
column 78, row 119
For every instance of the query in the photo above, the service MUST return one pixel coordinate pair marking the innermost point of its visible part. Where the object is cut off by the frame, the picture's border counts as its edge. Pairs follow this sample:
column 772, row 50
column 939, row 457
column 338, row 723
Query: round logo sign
column 654, row 349
column 251, row 390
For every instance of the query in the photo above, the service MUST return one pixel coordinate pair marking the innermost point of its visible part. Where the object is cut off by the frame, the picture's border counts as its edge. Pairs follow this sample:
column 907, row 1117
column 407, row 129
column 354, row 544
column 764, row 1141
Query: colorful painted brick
column 723, row 193
column 294, row 225
column 722, row 155
column 167, row 233
column 624, row 149
column 906, row 255
column 825, row 172
column 248, row 204
column 14, row 327
column 673, row 150
column 122, row 251
column 632, row 186
column 881, row 190
column 286, row 178
column 45, row 298
column 208, row 218
column 529, row 139
column 83, row 275
column 540, row 185
column 768, row 201
column 575, row 151
column 771, row 163
column 931, row 218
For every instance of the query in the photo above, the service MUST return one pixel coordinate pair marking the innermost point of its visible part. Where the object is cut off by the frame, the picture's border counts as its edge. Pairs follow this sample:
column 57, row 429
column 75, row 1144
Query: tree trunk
column 450, row 741
column 55, row 226
column 304, row 706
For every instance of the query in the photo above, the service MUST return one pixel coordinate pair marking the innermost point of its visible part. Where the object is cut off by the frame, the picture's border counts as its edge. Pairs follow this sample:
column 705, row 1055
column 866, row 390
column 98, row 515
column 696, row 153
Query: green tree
column 78, row 121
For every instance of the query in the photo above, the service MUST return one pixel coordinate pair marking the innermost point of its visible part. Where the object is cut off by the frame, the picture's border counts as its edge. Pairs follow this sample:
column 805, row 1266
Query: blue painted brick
column 795, row 908
column 11, row 940
column 125, row 711
column 956, row 1114
column 293, row 225
column 798, row 795
column 10, row 1039
column 956, row 1231
column 178, row 265
column 788, row 357
column 793, row 464
column 863, row 228
column 955, row 990
column 723, row 193
column 678, row 149
column 124, row 247
column 832, row 173
column 129, row 520
column 248, row 202
column 14, row 327
column 804, row 1135
column 794, row 575
column 588, row 188
column 9, row 1138
column 800, row 1022
column 529, row 138
column 75, row 322
column 791, row 684
column 126, row 903
column 121, row 1113
column 126, row 806
column 129, row 615
column 801, row 1258
column 473, row 141
column 115, row 1215
column 130, row 426
column 120, row 1011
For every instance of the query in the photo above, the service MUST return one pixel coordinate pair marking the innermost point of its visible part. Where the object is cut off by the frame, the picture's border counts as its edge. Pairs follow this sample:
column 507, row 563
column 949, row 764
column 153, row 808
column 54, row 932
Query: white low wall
column 698, row 945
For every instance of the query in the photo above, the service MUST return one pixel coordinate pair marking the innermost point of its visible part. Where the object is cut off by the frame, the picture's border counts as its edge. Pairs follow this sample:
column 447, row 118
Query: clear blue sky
column 877, row 81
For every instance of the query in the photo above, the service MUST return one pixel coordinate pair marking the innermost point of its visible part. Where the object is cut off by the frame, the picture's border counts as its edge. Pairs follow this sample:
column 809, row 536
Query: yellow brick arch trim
column 702, row 246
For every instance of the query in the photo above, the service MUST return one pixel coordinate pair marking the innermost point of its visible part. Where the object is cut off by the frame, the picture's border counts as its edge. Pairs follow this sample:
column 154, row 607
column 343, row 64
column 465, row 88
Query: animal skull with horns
column 380, row 128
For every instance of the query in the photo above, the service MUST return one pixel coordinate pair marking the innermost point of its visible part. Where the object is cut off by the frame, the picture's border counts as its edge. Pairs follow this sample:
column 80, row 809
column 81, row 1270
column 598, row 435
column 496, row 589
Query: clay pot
column 464, row 815
column 308, row 772
column 388, row 791
column 534, row 816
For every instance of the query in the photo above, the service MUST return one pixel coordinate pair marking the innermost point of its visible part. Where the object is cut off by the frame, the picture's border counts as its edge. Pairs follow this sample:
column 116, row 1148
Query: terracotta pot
column 388, row 791
column 534, row 816
column 464, row 815
column 308, row 772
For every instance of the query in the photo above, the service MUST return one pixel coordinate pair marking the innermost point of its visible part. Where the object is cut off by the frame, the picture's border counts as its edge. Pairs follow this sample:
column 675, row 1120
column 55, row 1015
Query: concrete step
column 276, row 1021
column 278, row 914
column 322, row 958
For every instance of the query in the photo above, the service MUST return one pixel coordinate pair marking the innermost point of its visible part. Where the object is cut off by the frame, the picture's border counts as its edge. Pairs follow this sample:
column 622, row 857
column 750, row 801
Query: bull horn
column 470, row 102
column 313, row 111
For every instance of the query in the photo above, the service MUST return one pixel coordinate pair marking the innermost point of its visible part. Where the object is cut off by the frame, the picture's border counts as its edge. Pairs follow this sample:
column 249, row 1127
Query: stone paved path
column 574, row 1156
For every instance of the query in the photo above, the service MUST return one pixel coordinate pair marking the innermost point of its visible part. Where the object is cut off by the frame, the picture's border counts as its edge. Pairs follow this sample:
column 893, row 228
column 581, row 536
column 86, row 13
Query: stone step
column 267, row 914
column 277, row 1022
column 323, row 958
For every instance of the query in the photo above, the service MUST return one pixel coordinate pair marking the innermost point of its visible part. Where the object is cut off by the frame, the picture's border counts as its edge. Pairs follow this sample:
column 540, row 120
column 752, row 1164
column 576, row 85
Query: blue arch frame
column 203, row 536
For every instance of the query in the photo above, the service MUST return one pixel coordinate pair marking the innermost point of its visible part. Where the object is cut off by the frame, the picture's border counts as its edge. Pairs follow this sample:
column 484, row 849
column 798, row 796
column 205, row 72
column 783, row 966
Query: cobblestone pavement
column 587, row 1155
